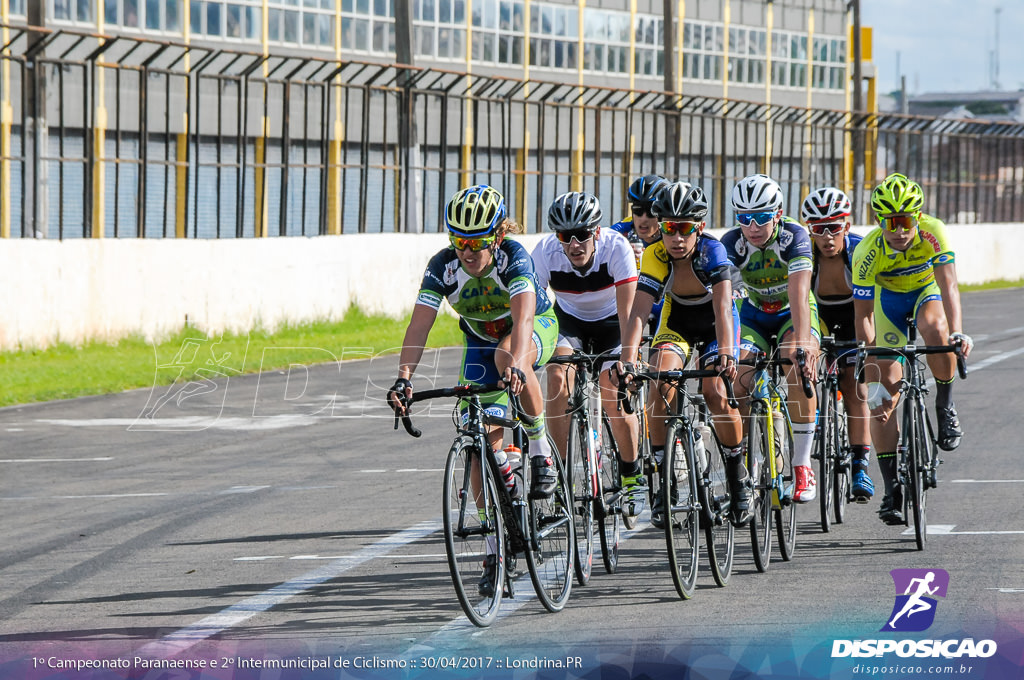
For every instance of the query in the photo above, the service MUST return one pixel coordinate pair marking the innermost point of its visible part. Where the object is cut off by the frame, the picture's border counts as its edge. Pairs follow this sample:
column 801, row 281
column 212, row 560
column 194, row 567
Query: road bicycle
column 694, row 472
column 592, row 467
column 770, row 453
column 917, row 451
column 482, row 517
column 831, row 443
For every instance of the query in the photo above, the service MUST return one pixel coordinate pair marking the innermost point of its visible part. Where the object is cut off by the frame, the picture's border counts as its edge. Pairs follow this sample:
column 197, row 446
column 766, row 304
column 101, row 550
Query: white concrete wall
column 80, row 290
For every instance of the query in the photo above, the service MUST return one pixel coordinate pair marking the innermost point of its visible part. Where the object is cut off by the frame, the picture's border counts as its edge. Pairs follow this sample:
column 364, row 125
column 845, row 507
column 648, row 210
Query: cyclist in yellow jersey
column 906, row 266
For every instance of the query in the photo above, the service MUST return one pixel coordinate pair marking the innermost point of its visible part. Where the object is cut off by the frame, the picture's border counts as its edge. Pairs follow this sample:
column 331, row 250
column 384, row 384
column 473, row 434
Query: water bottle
column 779, row 430
column 505, row 470
column 699, row 450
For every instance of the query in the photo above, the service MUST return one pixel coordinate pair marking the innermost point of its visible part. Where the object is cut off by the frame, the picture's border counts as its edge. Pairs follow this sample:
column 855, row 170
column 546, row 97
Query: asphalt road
column 282, row 511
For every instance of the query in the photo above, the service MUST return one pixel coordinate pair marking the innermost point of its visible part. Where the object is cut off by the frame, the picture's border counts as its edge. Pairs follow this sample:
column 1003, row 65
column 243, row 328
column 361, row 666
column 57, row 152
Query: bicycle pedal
column 859, row 500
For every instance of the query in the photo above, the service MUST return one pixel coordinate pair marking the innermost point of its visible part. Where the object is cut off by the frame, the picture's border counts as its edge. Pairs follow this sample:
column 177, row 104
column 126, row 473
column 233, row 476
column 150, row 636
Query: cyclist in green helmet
column 906, row 266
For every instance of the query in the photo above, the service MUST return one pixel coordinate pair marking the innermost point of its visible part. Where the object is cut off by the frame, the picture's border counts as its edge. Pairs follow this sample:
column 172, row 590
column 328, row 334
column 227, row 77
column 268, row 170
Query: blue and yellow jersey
column 766, row 271
column 625, row 227
column 876, row 263
column 710, row 265
column 483, row 303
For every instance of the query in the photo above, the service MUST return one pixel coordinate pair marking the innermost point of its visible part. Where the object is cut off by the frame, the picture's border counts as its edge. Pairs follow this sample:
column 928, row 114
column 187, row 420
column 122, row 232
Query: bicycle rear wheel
column 719, row 534
column 473, row 528
column 553, row 543
column 785, row 514
column 578, row 470
column 609, row 517
column 760, row 471
column 630, row 506
column 825, row 443
column 682, row 522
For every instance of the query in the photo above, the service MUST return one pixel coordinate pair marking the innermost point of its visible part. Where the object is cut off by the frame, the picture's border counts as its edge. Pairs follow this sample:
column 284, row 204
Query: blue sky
column 945, row 45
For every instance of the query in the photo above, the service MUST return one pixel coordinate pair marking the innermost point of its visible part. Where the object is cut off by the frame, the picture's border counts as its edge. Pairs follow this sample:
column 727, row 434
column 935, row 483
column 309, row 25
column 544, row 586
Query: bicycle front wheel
column 714, row 502
column 682, row 522
column 473, row 530
column 917, row 454
column 760, row 471
column 841, row 469
column 785, row 513
column 825, row 450
column 552, row 539
column 581, row 482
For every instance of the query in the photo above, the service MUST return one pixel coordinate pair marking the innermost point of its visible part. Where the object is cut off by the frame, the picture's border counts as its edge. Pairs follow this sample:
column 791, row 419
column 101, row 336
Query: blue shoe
column 863, row 488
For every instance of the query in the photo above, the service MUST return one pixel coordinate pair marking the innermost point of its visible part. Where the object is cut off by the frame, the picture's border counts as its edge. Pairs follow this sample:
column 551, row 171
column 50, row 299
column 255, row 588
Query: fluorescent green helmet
column 897, row 194
column 476, row 211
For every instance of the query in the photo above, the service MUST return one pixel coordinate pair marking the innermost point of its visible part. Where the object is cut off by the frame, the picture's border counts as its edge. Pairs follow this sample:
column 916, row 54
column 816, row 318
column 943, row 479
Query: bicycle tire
column 916, row 471
column 842, row 472
column 578, row 469
column 760, row 471
column 682, row 521
column 785, row 514
column 610, row 515
column 552, row 538
column 719, row 533
column 825, row 443
column 466, row 535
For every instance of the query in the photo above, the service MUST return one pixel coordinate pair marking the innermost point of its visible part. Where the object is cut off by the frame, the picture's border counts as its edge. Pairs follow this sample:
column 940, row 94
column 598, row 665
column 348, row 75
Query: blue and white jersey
column 850, row 242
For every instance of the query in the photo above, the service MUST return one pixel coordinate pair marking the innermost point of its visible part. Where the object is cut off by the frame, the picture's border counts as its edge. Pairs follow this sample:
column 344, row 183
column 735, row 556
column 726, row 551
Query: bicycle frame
column 918, row 456
column 486, row 509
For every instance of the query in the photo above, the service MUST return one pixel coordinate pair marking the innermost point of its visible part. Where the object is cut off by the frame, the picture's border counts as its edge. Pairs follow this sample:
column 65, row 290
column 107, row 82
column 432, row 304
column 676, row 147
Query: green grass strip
column 992, row 285
column 64, row 371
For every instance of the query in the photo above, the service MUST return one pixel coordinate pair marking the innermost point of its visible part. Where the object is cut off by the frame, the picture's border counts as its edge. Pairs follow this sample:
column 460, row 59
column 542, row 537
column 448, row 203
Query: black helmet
column 644, row 189
column 575, row 210
column 680, row 201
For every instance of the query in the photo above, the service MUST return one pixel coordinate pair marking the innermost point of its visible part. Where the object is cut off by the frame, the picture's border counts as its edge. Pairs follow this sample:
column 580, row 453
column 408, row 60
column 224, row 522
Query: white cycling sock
column 803, row 442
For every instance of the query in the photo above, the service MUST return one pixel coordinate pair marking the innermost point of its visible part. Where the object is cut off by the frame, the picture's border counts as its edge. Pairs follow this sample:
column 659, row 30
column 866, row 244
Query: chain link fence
column 127, row 137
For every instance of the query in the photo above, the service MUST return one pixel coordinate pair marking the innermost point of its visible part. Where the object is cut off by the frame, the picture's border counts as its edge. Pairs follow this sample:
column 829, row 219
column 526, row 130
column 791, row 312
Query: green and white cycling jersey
column 766, row 271
column 484, row 302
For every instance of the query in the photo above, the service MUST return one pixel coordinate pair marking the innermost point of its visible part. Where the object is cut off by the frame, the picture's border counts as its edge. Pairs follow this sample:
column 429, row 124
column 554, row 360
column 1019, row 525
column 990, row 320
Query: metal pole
column 859, row 171
column 408, row 146
column 35, row 133
column 671, row 120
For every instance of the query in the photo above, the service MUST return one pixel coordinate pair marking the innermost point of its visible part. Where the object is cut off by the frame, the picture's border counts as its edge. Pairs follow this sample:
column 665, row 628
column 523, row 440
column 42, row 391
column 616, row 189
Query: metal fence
column 124, row 137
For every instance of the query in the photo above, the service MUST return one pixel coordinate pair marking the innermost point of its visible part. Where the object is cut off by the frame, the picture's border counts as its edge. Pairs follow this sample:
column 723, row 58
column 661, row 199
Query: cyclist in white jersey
column 593, row 276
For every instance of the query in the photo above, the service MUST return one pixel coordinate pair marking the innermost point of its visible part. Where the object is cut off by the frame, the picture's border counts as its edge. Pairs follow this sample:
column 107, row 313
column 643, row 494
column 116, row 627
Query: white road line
column 947, row 530
column 987, row 481
column 420, row 470
column 185, row 638
column 76, row 498
column 261, row 558
column 57, row 460
column 245, row 489
column 985, row 363
column 460, row 627
column 1007, row 590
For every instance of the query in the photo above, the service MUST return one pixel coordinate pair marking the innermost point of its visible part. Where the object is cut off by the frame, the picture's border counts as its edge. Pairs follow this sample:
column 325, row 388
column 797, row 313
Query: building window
column 309, row 23
column 62, row 10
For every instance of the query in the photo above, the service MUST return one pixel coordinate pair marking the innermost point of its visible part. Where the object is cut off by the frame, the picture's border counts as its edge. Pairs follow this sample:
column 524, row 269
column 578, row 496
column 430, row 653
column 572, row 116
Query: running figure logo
column 915, row 605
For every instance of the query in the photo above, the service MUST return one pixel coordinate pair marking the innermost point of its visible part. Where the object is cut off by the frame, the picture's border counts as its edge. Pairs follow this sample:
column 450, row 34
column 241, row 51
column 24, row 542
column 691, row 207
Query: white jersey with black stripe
column 587, row 295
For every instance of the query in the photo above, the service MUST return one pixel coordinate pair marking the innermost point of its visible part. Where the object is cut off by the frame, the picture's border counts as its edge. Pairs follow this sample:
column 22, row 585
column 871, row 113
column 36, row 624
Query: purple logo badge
column 915, row 605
